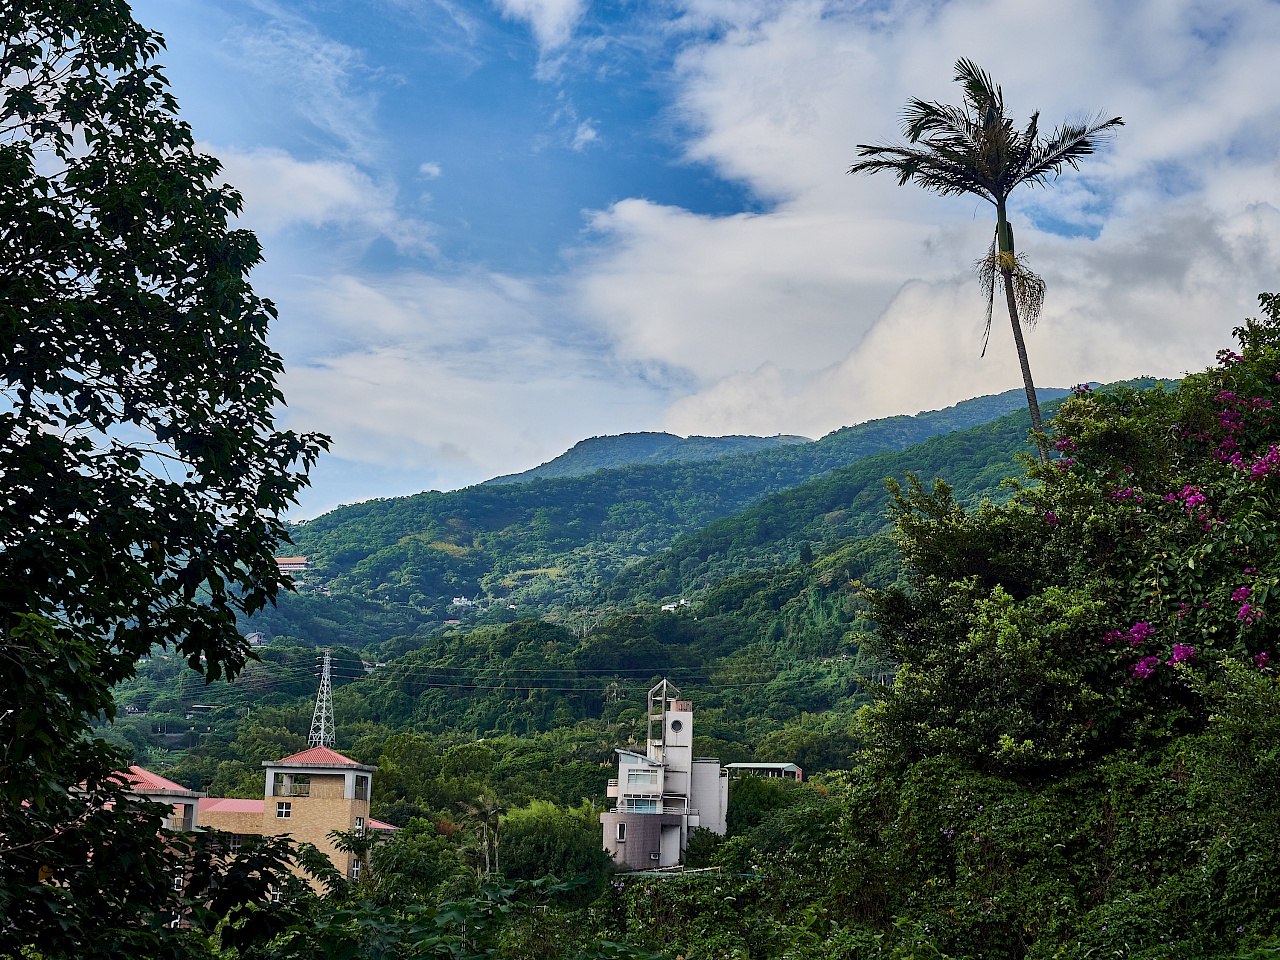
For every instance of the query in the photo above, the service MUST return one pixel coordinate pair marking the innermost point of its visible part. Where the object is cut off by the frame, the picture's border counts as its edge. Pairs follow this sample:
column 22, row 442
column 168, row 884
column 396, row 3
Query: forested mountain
column 548, row 541
column 846, row 502
column 629, row 449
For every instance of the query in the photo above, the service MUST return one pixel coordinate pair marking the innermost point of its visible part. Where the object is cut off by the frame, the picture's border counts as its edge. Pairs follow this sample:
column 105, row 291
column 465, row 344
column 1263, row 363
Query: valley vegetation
column 1037, row 706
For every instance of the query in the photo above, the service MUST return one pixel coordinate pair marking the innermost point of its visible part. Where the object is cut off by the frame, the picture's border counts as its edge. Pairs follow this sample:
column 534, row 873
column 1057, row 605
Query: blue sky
column 495, row 228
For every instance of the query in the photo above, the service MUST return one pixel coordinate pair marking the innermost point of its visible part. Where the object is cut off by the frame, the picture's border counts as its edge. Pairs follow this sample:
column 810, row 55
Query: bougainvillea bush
column 1080, row 755
column 1085, row 615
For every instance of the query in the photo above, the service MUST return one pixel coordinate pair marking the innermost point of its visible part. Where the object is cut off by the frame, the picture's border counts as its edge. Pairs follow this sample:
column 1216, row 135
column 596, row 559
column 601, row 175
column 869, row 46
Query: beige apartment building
column 305, row 796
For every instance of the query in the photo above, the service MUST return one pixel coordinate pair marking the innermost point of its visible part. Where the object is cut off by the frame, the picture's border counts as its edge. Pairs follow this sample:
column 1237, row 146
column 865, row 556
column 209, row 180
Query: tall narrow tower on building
column 322, row 720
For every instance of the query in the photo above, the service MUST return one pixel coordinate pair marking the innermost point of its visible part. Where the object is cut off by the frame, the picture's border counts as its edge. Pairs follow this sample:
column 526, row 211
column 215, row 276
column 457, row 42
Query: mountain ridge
column 642, row 447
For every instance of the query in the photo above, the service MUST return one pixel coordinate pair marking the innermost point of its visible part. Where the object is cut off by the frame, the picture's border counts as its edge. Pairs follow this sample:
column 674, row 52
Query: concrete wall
column 645, row 836
column 710, row 795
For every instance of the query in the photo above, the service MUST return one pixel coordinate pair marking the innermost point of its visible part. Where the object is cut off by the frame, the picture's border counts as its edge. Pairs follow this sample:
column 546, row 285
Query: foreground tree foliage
column 141, row 475
column 1078, row 756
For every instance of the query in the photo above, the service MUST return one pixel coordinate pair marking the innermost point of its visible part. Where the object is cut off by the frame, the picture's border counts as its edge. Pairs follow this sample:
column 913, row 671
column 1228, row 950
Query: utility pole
column 322, row 720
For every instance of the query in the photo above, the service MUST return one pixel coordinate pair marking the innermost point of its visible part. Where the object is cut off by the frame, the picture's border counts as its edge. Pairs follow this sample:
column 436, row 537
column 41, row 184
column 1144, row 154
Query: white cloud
column 585, row 135
column 281, row 191
column 318, row 76
column 456, row 379
column 431, row 170
column 854, row 298
column 552, row 20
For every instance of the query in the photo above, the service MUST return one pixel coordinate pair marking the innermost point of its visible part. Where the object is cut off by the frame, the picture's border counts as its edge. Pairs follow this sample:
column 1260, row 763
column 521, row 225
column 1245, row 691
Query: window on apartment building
column 236, row 840
column 359, row 826
column 355, row 869
column 284, row 809
column 362, row 787
column 292, row 785
column 179, row 881
column 642, row 778
column 642, row 804
column 622, row 833
column 275, row 894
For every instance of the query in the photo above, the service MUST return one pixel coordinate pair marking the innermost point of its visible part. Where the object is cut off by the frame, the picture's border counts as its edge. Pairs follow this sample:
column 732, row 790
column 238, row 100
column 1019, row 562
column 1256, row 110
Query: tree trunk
column 1004, row 236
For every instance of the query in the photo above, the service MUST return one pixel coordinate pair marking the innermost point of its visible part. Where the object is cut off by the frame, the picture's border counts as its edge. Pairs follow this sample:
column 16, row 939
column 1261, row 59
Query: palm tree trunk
column 1004, row 235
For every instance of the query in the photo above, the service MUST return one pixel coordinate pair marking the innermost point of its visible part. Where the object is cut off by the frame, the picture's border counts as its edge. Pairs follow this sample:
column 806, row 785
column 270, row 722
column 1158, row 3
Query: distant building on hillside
column 784, row 771
column 291, row 564
column 146, row 785
column 307, row 795
column 665, row 792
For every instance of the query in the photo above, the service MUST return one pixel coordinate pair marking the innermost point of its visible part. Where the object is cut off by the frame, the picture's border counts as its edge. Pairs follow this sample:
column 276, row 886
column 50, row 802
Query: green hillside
column 847, row 502
column 630, row 449
column 546, row 542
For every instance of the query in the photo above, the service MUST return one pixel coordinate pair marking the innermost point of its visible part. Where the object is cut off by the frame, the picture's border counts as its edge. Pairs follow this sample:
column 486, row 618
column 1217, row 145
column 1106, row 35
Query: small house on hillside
column 665, row 792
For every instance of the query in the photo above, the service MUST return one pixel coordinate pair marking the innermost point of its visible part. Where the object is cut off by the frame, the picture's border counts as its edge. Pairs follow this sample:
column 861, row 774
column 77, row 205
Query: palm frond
column 934, row 169
column 1028, row 287
column 921, row 118
column 986, row 270
column 1066, row 146
column 981, row 92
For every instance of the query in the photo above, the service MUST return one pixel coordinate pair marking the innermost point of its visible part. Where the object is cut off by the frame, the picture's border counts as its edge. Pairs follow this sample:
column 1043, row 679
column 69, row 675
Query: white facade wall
column 665, row 781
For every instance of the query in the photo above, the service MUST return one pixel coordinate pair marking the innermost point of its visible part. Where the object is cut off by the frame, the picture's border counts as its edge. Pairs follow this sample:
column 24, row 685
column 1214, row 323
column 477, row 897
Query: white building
column 665, row 792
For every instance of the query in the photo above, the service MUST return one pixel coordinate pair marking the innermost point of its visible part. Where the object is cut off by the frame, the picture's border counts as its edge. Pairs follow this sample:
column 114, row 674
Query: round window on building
column 677, row 726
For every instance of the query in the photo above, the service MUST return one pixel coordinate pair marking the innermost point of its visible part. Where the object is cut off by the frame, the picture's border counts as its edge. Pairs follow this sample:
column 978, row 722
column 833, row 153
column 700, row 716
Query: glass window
column 284, row 810
column 355, row 869
column 642, row 777
column 642, row 804
column 362, row 787
column 236, row 840
column 622, row 833
column 275, row 894
column 359, row 826
column 277, row 789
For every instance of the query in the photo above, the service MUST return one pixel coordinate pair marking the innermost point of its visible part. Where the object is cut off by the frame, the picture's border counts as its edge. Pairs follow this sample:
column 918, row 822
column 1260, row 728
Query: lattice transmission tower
column 322, row 720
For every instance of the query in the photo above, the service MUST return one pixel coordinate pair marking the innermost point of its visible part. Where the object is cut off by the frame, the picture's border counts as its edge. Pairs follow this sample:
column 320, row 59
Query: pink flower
column 1249, row 614
column 1182, row 653
column 1262, row 659
column 1241, row 594
column 1140, row 631
column 1051, row 518
column 1144, row 667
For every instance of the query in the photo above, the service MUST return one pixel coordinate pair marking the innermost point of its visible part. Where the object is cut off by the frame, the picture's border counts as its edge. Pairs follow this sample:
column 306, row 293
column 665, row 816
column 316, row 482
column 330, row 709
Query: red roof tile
column 144, row 781
column 379, row 825
column 230, row 805
column 321, row 756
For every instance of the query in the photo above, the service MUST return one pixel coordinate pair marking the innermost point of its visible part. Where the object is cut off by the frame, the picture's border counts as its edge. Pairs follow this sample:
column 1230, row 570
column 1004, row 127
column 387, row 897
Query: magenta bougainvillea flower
column 1144, row 667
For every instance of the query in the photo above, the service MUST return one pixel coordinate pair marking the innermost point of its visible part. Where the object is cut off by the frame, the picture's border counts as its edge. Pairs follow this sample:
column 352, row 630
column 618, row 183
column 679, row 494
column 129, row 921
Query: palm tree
column 485, row 813
column 976, row 149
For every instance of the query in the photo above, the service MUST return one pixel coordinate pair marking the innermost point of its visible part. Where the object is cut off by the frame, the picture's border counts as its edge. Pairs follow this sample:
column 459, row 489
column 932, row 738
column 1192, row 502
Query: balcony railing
column 660, row 808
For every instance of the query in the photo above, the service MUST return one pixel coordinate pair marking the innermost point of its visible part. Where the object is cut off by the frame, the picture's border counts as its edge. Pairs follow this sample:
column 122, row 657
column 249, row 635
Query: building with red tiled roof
column 317, row 757
column 291, row 564
column 182, row 802
column 306, row 796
